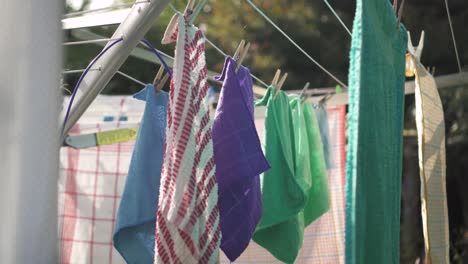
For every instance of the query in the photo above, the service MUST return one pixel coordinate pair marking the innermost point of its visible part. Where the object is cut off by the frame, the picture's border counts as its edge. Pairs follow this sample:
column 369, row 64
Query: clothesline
column 453, row 36
column 105, row 8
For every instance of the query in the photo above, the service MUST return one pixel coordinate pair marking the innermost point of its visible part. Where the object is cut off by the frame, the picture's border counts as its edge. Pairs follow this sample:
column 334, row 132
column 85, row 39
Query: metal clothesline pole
column 132, row 29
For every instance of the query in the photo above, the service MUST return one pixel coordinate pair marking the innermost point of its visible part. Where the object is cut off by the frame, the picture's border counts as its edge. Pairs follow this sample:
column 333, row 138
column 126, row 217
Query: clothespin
column 193, row 12
column 239, row 50
column 158, row 83
column 400, row 12
column 189, row 9
column 274, row 82
column 328, row 96
column 413, row 57
column 280, row 84
column 303, row 95
column 242, row 55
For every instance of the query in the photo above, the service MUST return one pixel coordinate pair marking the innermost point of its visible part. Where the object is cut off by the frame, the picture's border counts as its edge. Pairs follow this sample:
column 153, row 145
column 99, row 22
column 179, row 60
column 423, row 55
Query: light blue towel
column 136, row 219
column 322, row 119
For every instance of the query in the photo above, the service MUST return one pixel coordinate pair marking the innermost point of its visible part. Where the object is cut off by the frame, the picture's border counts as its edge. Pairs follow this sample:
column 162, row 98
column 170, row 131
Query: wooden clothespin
column 398, row 11
column 414, row 54
column 158, row 83
column 239, row 50
column 194, row 11
column 303, row 95
column 274, row 82
column 243, row 53
column 162, row 82
column 280, row 84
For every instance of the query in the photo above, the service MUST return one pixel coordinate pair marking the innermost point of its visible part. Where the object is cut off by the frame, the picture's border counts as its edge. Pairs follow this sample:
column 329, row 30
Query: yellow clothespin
column 413, row 57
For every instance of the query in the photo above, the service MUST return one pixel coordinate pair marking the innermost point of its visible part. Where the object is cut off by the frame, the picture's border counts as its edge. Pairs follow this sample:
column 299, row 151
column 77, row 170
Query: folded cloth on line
column 431, row 142
column 239, row 160
column 287, row 186
column 375, row 135
column 136, row 218
column 318, row 201
column 188, row 229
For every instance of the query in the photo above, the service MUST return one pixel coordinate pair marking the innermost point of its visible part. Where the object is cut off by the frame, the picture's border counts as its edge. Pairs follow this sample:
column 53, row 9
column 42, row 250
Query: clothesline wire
column 75, row 90
column 295, row 44
column 226, row 55
column 91, row 41
column 99, row 69
column 220, row 51
column 131, row 78
column 80, row 71
column 105, row 8
column 337, row 17
column 453, row 36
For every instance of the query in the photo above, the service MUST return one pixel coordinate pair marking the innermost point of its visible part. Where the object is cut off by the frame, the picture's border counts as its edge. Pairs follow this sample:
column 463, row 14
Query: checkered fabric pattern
column 324, row 238
column 92, row 180
column 91, row 183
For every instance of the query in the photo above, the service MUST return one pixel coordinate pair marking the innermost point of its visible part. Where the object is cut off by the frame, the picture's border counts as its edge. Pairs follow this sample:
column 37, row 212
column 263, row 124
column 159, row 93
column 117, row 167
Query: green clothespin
column 338, row 89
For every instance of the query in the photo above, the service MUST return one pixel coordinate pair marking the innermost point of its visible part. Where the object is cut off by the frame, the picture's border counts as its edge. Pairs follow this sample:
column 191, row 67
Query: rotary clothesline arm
column 132, row 30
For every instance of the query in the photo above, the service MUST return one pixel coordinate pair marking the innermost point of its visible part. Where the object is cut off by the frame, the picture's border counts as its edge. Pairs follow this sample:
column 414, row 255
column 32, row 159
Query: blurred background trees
column 313, row 27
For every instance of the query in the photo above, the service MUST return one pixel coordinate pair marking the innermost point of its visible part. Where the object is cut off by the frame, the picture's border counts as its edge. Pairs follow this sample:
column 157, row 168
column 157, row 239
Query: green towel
column 375, row 133
column 287, row 188
column 319, row 194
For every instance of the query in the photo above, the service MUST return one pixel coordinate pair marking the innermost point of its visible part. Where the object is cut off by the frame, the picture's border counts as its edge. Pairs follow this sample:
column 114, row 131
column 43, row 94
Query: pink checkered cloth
column 92, row 180
column 91, row 183
column 324, row 238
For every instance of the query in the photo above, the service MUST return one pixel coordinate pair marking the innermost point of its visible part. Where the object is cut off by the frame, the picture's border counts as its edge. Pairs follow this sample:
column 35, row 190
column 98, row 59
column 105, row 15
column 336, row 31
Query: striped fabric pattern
column 187, row 229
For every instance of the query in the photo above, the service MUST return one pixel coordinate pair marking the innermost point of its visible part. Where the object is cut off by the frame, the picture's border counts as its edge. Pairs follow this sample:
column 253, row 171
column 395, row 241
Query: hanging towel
column 319, row 193
column 239, row 160
column 284, row 193
column 322, row 119
column 375, row 135
column 188, row 229
column 431, row 141
column 136, row 218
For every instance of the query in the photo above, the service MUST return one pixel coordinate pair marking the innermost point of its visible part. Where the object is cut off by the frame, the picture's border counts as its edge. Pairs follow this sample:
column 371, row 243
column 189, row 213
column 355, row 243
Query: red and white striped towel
column 187, row 229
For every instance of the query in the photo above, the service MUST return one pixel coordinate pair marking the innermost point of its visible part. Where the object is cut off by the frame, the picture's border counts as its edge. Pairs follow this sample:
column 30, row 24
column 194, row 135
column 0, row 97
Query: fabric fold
column 136, row 218
column 239, row 160
column 432, row 165
column 188, row 228
column 290, row 196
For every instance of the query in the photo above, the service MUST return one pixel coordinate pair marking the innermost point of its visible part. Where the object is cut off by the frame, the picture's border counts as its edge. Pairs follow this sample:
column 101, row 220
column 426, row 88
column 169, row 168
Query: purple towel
column 239, row 160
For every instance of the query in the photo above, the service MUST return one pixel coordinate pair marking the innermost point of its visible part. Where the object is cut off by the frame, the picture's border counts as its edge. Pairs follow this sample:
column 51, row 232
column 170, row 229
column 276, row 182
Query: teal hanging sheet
column 375, row 135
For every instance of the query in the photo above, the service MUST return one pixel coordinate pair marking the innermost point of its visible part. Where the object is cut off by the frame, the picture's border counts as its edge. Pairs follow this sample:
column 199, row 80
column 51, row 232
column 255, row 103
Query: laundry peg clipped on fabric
column 190, row 6
column 162, row 82
column 414, row 55
column 399, row 14
column 239, row 50
column 244, row 52
column 303, row 95
column 274, row 82
column 194, row 11
column 157, row 78
column 280, row 84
